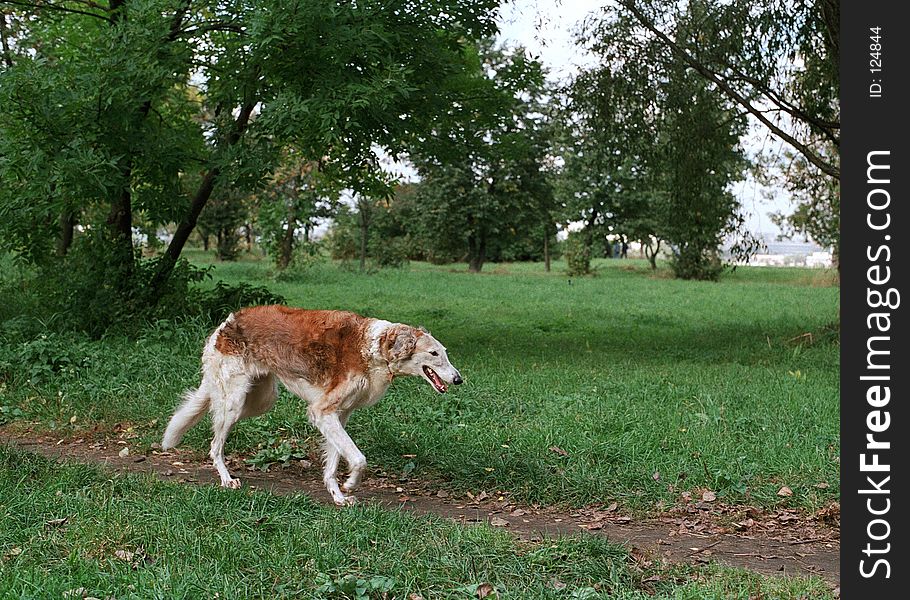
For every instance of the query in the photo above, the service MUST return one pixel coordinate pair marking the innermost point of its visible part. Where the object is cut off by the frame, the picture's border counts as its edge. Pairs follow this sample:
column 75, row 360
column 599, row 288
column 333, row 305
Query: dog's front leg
column 339, row 443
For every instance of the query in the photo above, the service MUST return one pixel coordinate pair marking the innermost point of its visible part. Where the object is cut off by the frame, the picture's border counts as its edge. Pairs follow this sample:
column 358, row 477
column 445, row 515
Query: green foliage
column 275, row 452
column 577, row 254
column 46, row 356
column 817, row 198
column 484, row 186
column 217, row 303
column 680, row 141
column 222, row 217
column 352, row 587
column 134, row 113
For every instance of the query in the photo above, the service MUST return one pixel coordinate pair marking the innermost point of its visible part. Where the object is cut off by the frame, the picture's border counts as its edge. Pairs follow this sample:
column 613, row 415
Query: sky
column 545, row 28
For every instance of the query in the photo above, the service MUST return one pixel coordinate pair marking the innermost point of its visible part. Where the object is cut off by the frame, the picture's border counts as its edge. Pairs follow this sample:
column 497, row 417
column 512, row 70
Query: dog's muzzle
column 457, row 380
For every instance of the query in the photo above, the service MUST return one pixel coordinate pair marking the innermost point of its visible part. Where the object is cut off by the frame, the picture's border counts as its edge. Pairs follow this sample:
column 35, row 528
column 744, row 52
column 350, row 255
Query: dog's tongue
column 438, row 383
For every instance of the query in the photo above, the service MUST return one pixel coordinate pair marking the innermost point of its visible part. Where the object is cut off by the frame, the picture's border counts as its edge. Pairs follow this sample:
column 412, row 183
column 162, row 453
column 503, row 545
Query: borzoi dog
column 336, row 361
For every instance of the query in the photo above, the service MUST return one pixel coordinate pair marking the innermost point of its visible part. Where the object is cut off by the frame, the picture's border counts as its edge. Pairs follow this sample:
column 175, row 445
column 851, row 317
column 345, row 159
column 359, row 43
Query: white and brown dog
column 336, row 361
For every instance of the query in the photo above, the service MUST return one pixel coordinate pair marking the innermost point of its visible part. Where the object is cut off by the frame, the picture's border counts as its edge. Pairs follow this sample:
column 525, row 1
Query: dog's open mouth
column 435, row 379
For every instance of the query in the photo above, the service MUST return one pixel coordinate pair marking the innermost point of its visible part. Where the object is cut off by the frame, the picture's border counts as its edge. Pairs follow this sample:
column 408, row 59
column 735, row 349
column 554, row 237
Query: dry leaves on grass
column 485, row 590
column 499, row 522
column 558, row 450
column 784, row 491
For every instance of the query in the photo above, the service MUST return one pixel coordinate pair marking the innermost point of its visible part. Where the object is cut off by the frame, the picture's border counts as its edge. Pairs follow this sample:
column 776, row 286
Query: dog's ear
column 399, row 344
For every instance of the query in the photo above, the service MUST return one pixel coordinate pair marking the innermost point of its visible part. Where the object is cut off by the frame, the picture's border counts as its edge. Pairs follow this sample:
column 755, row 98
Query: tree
column 485, row 177
column 153, row 105
column 656, row 148
column 817, row 213
column 296, row 197
column 222, row 217
column 778, row 61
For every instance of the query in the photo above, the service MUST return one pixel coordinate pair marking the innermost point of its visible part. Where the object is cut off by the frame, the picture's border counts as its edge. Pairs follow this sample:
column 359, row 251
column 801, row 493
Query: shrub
column 578, row 255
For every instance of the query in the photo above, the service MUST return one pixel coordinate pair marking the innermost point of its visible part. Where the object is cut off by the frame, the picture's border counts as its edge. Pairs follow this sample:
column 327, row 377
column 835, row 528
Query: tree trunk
column 589, row 234
column 651, row 253
column 286, row 246
column 248, row 235
column 364, row 237
column 205, row 242
column 67, row 226
column 203, row 193
column 478, row 251
column 546, row 249
column 4, row 43
column 120, row 233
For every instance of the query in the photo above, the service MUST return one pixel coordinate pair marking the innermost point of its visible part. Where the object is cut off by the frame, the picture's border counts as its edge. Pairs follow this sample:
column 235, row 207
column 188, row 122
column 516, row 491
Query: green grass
column 632, row 373
column 68, row 527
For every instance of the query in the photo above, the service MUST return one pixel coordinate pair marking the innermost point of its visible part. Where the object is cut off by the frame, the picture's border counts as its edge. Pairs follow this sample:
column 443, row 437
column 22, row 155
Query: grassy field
column 649, row 385
column 77, row 532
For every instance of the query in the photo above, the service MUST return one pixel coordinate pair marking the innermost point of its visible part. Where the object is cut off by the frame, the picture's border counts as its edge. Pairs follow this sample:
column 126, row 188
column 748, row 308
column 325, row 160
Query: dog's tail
column 195, row 404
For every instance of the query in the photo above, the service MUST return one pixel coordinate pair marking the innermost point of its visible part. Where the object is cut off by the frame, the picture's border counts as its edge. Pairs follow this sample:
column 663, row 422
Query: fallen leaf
column 623, row 519
column 613, row 506
column 56, row 522
column 124, row 555
column 12, row 553
column 482, row 496
column 557, row 584
column 78, row 592
column 499, row 522
column 656, row 476
column 558, row 450
column 442, row 494
column 822, row 485
column 484, row 590
column 518, row 512
column 784, row 491
column 708, row 496
column 124, row 452
column 414, row 596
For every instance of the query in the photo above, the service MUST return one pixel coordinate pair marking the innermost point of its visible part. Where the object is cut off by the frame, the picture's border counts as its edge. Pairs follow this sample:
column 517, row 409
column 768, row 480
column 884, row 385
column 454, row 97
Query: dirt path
column 770, row 542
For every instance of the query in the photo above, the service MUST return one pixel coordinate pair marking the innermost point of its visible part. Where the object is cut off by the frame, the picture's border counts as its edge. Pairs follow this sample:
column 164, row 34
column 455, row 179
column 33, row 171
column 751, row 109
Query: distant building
column 789, row 253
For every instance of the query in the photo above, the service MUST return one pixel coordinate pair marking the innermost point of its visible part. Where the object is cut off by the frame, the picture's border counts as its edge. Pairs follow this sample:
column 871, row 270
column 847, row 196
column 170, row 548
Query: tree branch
column 722, row 84
column 56, row 7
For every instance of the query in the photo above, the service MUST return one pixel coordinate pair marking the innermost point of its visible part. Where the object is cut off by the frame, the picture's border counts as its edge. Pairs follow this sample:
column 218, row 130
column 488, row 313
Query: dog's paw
column 231, row 484
column 345, row 500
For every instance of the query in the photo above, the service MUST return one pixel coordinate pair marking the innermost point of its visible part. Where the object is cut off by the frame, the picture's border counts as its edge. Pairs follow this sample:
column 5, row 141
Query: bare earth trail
column 766, row 541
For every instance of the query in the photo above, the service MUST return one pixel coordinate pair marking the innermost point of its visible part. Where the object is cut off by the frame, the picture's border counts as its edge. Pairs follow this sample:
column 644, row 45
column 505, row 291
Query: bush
column 390, row 252
column 217, row 303
column 689, row 262
column 578, row 255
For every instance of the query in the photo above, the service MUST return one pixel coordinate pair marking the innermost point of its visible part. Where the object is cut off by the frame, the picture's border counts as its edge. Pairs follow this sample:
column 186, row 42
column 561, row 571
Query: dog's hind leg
column 226, row 409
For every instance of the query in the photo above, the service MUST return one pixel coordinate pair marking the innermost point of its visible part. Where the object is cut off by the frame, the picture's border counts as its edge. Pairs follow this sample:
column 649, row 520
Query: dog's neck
column 374, row 353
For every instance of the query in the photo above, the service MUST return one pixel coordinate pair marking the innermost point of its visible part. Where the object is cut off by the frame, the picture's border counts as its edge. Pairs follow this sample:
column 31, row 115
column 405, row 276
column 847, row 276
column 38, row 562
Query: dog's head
column 413, row 351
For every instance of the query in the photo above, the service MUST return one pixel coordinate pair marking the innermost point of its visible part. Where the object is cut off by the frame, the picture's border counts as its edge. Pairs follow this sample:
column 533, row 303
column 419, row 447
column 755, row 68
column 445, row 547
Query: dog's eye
column 434, row 353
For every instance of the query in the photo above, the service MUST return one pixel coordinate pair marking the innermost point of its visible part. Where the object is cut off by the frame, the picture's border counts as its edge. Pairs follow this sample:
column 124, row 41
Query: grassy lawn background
column 650, row 385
